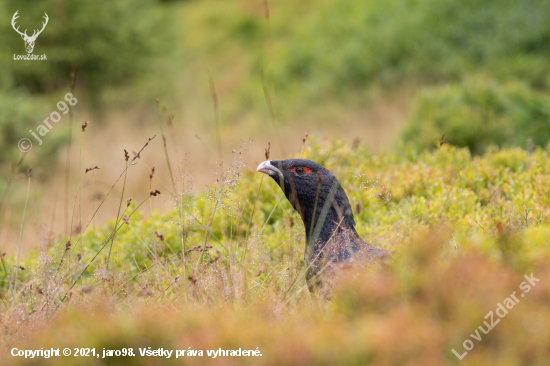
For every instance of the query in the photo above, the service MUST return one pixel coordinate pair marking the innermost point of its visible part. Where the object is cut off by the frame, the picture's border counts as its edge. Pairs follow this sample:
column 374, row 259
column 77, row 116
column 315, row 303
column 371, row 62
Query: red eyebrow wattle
column 306, row 170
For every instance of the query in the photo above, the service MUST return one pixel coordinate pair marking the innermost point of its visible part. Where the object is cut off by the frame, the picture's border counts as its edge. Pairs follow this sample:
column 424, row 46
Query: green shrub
column 110, row 42
column 464, row 231
column 342, row 45
column 479, row 113
column 20, row 113
column 392, row 196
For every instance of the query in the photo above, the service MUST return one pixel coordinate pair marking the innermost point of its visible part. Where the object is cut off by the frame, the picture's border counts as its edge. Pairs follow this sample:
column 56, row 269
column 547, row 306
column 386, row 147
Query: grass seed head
column 267, row 151
column 92, row 168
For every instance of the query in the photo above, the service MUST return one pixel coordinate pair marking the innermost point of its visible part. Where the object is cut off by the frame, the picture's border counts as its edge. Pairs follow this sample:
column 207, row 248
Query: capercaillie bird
column 320, row 200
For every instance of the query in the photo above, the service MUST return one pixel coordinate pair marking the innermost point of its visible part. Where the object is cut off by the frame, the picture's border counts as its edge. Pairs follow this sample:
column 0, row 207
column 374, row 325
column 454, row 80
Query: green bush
column 464, row 232
column 20, row 113
column 479, row 113
column 393, row 196
column 343, row 45
column 110, row 42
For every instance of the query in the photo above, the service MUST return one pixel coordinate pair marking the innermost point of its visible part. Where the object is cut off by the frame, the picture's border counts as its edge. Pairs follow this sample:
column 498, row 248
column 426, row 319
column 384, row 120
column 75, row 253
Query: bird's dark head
column 326, row 212
column 304, row 183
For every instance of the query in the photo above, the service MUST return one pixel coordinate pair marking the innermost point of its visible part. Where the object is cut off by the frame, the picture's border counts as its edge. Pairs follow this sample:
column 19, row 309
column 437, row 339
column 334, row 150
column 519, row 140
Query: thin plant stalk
column 118, row 213
column 113, row 186
column 99, row 251
column 80, row 195
column 68, row 156
column 16, row 272
column 165, row 148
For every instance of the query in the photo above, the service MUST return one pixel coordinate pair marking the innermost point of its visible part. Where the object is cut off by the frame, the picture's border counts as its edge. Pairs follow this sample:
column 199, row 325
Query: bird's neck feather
column 333, row 220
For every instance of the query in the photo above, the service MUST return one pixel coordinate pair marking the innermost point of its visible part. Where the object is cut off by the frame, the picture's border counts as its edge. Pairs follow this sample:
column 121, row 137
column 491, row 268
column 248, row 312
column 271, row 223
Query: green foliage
column 479, row 113
column 464, row 231
column 18, row 115
column 343, row 45
column 484, row 201
column 322, row 55
column 109, row 42
column 309, row 51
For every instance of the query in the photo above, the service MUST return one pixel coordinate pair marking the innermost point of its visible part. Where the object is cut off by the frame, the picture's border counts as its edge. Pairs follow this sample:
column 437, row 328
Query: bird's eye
column 300, row 170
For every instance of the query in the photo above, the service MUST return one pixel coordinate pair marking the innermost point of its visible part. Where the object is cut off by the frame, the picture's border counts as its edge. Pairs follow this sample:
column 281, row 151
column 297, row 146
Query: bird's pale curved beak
column 268, row 169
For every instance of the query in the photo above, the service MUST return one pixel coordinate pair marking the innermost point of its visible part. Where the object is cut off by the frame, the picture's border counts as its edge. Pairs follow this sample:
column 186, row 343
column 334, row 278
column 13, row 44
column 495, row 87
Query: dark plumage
column 318, row 197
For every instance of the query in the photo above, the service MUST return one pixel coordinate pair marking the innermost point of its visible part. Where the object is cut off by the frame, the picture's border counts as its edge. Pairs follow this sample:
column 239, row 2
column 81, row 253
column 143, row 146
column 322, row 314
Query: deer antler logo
column 29, row 41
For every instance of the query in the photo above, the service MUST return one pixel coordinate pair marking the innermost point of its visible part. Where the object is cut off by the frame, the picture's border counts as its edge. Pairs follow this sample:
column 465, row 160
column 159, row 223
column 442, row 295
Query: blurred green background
column 316, row 54
column 376, row 83
column 397, row 74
